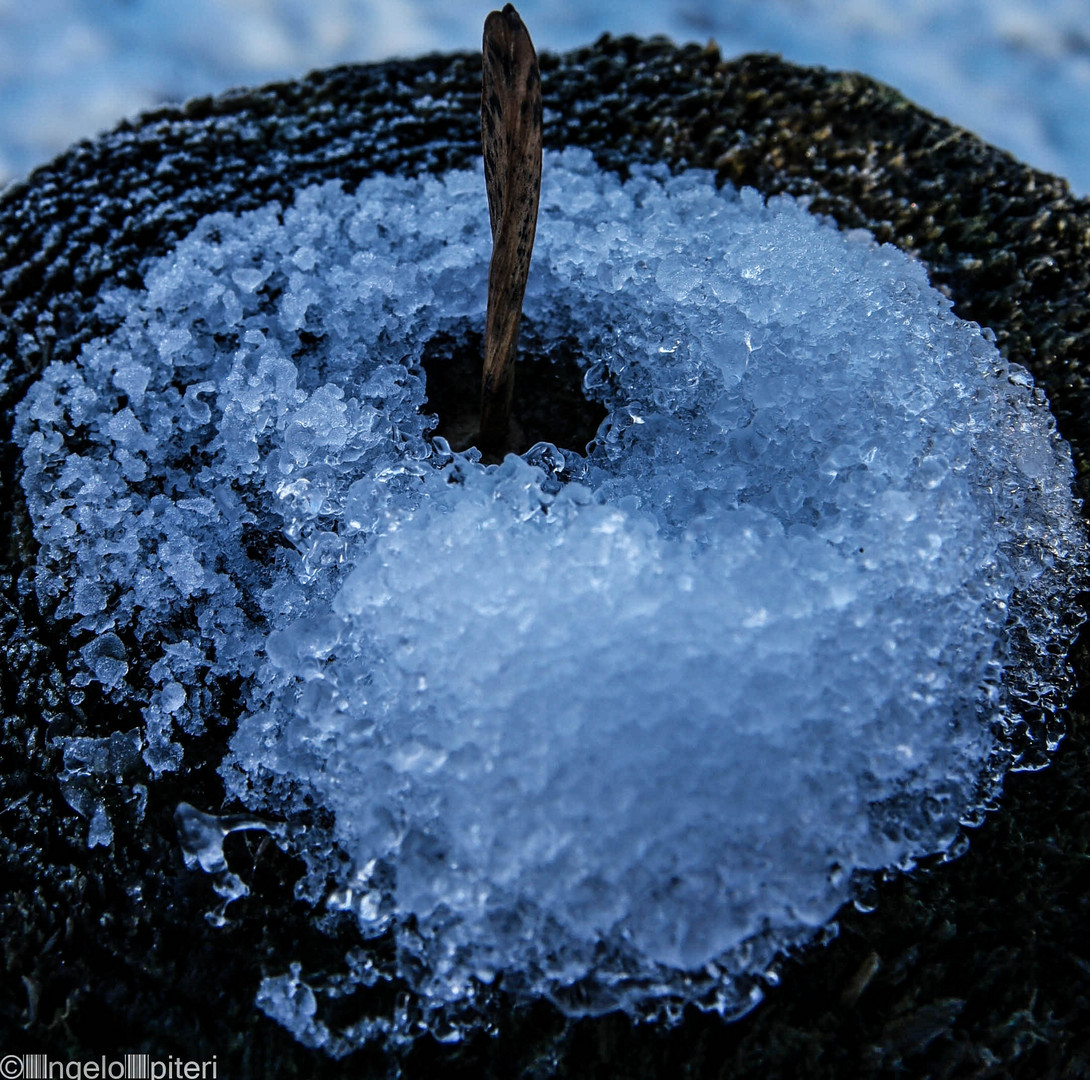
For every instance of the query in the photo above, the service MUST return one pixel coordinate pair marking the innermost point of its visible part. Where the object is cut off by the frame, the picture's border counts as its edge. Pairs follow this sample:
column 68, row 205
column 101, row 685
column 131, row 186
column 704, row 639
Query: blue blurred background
column 1017, row 72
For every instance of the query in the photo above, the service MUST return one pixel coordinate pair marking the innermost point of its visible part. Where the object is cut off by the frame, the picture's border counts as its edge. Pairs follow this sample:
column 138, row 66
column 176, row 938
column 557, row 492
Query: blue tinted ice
column 627, row 722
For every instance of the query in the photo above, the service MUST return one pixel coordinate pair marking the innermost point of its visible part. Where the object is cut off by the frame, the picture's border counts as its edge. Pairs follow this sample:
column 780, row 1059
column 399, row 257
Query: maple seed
column 511, row 141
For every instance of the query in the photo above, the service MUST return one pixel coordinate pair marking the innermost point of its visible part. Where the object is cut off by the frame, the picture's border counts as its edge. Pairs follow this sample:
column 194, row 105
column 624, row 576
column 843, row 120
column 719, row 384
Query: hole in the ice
column 549, row 403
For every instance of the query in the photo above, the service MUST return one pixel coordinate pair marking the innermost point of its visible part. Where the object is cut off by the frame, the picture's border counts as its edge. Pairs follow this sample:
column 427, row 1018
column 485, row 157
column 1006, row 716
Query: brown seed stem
column 511, row 141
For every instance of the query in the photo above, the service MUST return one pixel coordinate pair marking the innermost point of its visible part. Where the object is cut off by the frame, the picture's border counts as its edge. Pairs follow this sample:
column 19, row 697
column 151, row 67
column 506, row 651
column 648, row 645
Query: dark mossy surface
column 977, row 968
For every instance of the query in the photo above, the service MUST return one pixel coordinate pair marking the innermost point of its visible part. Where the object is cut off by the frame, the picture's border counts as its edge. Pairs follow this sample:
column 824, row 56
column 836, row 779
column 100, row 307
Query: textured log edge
column 984, row 964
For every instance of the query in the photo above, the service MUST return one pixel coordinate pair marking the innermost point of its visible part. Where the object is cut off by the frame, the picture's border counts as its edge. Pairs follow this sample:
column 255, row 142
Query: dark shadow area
column 549, row 403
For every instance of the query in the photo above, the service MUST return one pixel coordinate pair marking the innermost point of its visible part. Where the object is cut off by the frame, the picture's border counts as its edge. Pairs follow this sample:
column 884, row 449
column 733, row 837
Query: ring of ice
column 627, row 723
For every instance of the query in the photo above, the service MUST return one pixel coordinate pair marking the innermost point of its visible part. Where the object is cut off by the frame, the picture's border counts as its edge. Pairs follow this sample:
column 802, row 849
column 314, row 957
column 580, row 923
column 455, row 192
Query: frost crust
column 617, row 727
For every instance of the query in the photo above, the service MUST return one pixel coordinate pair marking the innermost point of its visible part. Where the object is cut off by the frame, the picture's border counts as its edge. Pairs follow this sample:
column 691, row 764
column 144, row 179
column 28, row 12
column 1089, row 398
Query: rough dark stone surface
column 977, row 968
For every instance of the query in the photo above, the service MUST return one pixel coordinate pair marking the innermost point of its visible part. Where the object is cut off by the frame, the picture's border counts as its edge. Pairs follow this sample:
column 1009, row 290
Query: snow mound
column 612, row 727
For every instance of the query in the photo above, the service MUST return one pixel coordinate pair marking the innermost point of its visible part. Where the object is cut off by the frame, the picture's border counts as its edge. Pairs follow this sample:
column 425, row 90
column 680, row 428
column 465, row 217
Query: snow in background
column 1017, row 72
